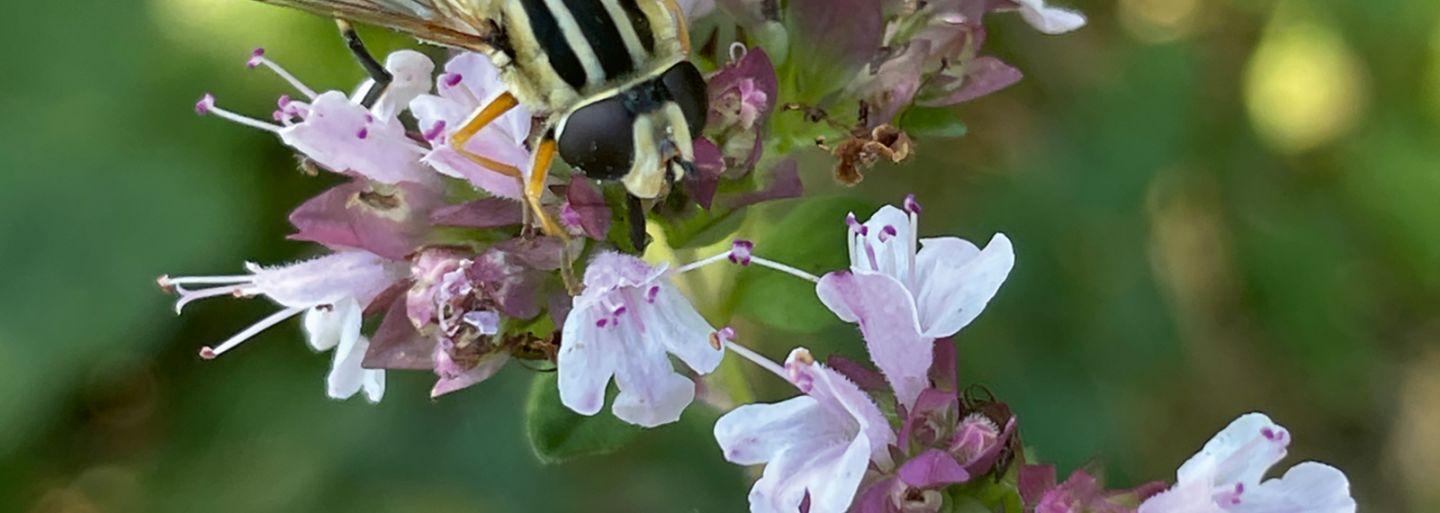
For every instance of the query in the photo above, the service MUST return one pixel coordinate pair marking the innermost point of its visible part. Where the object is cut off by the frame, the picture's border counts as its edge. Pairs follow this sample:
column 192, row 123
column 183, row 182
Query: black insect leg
column 635, row 212
column 373, row 67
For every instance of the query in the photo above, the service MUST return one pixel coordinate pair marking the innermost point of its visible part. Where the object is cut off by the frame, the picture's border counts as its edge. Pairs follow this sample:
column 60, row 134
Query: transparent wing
column 460, row 23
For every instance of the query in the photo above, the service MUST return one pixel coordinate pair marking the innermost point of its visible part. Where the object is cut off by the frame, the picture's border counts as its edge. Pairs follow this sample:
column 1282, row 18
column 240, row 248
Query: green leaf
column 811, row 238
column 558, row 435
column 932, row 122
column 701, row 228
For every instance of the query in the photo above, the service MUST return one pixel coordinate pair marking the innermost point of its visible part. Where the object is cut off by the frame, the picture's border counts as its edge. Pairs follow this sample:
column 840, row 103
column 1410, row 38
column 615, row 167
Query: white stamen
column 737, row 51
column 206, row 280
column 294, row 82
column 244, row 120
column 701, row 263
column 188, row 296
column 914, row 246
column 785, row 269
column 254, row 329
column 757, row 359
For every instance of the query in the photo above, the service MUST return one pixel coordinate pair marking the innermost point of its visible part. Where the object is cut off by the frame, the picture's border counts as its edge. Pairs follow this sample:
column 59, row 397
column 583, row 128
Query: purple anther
column 206, row 102
column 256, row 57
column 887, row 232
column 435, row 131
column 911, row 205
column 740, row 251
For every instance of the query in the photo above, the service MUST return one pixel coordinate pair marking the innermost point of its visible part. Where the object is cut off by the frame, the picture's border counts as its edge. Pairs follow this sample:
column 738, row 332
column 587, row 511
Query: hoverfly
column 610, row 79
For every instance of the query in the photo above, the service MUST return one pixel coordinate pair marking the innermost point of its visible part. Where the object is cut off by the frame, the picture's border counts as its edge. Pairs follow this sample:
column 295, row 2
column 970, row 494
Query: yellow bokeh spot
column 1159, row 21
column 1303, row 86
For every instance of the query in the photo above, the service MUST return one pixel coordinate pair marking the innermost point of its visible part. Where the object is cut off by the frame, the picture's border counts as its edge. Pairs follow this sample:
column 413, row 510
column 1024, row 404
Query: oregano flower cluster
column 442, row 259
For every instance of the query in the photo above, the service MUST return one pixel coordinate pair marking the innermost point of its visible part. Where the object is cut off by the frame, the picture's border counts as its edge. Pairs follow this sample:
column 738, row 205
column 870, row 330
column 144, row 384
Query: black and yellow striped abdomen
column 563, row 52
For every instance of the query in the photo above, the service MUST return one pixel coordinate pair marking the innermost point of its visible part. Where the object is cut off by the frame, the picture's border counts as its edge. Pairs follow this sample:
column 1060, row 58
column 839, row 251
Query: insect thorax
column 560, row 53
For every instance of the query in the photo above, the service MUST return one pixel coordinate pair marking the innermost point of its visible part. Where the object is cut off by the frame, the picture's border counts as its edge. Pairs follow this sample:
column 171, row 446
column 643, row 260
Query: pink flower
column 905, row 296
column 332, row 291
column 1225, row 477
column 816, row 447
column 469, row 83
column 339, row 134
column 625, row 324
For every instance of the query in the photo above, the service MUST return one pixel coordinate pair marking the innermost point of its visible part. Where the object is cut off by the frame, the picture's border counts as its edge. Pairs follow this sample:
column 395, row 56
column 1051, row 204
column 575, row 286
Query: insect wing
column 459, row 23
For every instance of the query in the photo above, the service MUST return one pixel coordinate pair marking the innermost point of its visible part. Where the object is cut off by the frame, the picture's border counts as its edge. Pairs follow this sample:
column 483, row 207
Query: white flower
column 1047, row 19
column 338, row 328
column 906, row 292
column 623, row 325
column 1225, row 477
column 332, row 291
column 817, row 445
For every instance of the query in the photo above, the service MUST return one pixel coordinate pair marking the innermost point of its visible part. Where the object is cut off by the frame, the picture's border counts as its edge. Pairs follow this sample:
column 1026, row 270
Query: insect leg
column 544, row 154
column 635, row 211
column 477, row 122
column 682, row 28
column 377, row 72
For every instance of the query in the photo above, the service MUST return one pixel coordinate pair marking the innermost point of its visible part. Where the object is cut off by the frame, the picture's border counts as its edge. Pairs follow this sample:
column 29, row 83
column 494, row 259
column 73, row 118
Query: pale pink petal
column 1308, row 487
column 1240, row 453
column 886, row 315
column 329, row 279
column 675, row 325
column 756, row 433
column 888, row 234
column 651, row 393
column 846, row 401
column 1193, row 497
column 450, row 162
column 410, row 72
column 344, row 137
column 585, row 363
column 829, row 473
column 956, row 281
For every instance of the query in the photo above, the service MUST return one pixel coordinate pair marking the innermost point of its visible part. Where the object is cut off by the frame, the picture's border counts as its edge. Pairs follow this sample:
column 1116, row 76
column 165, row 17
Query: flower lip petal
column 886, row 314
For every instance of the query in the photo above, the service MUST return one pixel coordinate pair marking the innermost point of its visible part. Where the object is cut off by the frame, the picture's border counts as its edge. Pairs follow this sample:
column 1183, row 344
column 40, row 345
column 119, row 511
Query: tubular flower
column 623, row 325
column 816, row 447
column 331, row 291
column 336, row 132
column 905, row 292
column 1225, row 477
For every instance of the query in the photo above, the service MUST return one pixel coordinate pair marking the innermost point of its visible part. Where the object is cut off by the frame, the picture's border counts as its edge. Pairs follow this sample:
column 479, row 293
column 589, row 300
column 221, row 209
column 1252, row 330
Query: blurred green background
column 1217, row 207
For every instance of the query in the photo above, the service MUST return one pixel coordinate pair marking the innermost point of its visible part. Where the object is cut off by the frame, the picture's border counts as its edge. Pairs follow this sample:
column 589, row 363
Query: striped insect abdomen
column 568, row 50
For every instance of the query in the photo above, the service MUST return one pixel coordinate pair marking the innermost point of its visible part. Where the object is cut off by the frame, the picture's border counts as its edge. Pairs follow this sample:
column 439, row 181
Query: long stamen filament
column 702, row 263
column 283, row 73
column 205, row 280
column 757, row 359
column 209, row 353
column 211, row 108
column 763, row 262
column 188, row 296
